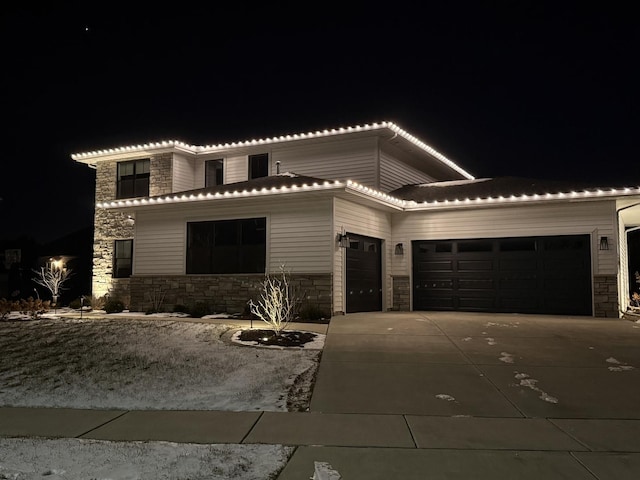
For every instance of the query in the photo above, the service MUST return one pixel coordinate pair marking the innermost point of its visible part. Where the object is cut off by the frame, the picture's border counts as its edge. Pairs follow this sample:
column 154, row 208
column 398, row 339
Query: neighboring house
column 365, row 218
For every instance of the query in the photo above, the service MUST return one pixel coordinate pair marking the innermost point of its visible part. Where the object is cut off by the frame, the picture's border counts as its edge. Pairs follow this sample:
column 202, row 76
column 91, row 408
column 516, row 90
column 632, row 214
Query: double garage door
column 549, row 275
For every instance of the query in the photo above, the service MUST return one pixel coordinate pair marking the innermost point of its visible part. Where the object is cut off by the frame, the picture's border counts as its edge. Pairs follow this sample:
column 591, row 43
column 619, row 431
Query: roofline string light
column 195, row 197
column 196, row 149
column 377, row 195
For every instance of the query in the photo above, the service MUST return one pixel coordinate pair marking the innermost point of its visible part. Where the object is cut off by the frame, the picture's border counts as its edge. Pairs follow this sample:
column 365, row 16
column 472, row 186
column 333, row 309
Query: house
column 365, row 218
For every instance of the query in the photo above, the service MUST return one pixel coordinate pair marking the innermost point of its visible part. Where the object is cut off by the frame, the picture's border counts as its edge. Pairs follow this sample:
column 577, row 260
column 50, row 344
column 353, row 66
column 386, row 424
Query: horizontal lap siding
column 338, row 160
column 394, row 174
column 236, row 169
column 298, row 234
column 185, row 173
column 159, row 245
column 356, row 218
column 596, row 218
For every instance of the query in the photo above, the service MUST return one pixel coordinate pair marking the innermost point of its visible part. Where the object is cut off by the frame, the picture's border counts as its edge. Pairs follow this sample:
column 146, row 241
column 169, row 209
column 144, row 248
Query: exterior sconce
column 604, row 243
column 342, row 240
column 130, row 220
column 399, row 250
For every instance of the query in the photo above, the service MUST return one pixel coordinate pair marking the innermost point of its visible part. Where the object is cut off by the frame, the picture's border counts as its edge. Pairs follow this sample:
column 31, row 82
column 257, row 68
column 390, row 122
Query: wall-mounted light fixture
column 130, row 220
column 342, row 240
column 604, row 243
column 399, row 250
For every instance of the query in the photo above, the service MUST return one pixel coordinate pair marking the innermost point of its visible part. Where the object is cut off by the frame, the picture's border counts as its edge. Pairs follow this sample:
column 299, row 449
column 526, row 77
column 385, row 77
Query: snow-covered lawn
column 151, row 363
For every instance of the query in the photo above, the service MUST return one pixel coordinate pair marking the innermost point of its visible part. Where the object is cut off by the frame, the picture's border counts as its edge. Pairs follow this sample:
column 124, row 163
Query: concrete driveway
column 483, row 395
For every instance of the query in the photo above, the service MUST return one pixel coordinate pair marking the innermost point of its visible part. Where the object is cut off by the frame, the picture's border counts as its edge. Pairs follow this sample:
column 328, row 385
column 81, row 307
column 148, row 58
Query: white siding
column 298, row 234
column 185, row 173
column 594, row 218
column 337, row 160
column 355, row 218
column 394, row 173
column 159, row 247
column 236, row 169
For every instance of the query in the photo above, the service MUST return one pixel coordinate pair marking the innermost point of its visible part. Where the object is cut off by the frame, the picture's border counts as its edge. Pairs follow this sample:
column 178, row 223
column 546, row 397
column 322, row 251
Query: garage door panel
column 528, row 275
column 517, row 264
column 442, row 266
column 475, row 265
column 476, row 284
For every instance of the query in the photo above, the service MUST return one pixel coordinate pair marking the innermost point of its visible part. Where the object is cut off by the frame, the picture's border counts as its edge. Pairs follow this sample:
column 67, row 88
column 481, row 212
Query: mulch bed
column 288, row 338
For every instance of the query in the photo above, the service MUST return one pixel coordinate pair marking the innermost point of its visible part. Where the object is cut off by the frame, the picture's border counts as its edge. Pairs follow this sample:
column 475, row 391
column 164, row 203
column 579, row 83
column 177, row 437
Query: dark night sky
column 537, row 89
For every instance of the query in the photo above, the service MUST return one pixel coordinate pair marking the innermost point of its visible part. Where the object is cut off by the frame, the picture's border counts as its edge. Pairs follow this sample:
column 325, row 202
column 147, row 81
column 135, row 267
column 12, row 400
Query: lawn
column 149, row 363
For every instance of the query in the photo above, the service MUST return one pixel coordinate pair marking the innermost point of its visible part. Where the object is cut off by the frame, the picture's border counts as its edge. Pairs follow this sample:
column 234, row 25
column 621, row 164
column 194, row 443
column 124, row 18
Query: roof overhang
column 354, row 190
column 388, row 130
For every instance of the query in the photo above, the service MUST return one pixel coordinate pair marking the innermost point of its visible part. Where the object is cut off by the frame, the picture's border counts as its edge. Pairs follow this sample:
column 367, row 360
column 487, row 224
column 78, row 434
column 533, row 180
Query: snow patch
column 506, row 357
column 612, row 360
column 532, row 383
column 621, row 368
column 508, row 325
column 467, row 339
column 444, row 396
column 491, row 341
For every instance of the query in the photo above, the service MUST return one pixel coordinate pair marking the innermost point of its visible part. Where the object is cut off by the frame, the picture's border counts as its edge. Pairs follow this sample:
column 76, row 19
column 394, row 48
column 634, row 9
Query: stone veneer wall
column 223, row 293
column 401, row 293
column 605, row 296
column 111, row 225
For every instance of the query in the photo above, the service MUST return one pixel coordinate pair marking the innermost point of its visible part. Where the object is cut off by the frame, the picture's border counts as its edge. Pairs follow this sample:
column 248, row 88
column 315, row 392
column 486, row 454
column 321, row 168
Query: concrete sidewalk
column 416, row 395
column 366, row 446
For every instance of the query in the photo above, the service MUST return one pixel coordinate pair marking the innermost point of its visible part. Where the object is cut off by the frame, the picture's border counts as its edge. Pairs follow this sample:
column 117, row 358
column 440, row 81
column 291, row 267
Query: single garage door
column 549, row 275
column 364, row 280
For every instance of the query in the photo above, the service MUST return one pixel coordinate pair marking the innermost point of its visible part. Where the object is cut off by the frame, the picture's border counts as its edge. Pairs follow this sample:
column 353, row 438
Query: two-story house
column 365, row 218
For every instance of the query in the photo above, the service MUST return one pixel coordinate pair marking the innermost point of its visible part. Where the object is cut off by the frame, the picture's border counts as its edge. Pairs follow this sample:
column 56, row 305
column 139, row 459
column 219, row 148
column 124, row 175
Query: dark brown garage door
column 550, row 275
column 364, row 280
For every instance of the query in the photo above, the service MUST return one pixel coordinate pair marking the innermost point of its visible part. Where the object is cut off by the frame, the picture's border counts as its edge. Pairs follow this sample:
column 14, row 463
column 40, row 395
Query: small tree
column 52, row 279
column 277, row 302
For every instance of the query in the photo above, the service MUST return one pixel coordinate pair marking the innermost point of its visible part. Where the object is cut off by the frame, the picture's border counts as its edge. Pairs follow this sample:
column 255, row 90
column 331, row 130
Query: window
column 226, row 246
column 258, row 165
column 213, row 173
column 133, row 179
column 123, row 254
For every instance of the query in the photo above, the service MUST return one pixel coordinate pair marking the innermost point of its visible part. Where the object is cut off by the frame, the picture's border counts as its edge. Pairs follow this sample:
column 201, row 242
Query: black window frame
column 214, row 177
column 258, row 165
column 234, row 246
column 136, row 183
column 118, row 270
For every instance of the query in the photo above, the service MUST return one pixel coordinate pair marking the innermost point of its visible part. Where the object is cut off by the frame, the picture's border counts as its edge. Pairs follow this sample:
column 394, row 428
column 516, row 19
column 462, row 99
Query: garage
column 547, row 275
column 364, row 279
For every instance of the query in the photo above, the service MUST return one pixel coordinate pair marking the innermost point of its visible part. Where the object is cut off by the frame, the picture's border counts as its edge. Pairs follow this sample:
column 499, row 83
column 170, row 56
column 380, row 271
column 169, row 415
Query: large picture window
column 226, row 246
column 122, row 258
column 133, row 179
column 214, row 173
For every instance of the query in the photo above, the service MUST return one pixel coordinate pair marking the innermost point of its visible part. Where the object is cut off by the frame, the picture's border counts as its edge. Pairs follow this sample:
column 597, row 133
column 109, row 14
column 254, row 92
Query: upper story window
column 258, row 165
column 122, row 258
column 213, row 173
column 133, row 179
column 226, row 246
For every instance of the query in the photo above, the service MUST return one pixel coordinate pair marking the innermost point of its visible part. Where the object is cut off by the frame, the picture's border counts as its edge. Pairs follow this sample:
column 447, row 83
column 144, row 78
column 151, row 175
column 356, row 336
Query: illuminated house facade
column 365, row 218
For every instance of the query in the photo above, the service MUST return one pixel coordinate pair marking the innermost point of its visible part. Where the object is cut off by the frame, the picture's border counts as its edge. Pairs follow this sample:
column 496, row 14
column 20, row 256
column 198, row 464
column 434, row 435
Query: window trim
column 114, row 269
column 250, row 164
column 137, row 177
column 188, row 270
column 218, row 161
